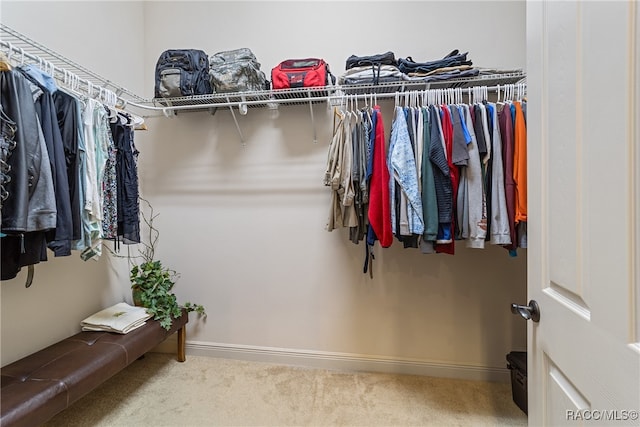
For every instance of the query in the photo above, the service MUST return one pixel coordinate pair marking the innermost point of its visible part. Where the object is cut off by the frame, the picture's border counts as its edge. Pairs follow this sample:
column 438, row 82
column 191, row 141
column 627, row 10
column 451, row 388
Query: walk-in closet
column 245, row 213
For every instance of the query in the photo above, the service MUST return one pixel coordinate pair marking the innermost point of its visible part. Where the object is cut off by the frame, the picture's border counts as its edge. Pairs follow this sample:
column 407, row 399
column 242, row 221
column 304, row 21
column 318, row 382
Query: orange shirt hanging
column 520, row 164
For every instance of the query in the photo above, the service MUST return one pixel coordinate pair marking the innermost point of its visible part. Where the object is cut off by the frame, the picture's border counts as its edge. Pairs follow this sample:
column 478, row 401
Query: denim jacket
column 402, row 164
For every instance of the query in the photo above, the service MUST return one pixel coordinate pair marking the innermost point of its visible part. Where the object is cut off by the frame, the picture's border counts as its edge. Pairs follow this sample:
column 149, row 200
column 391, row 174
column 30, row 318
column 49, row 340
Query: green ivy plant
column 151, row 286
column 152, row 283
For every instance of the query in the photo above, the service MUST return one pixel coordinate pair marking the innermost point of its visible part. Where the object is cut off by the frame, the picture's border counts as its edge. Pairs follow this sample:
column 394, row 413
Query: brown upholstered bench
column 40, row 385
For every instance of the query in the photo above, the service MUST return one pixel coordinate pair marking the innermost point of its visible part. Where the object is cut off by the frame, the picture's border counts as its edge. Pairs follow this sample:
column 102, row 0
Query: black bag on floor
column 182, row 72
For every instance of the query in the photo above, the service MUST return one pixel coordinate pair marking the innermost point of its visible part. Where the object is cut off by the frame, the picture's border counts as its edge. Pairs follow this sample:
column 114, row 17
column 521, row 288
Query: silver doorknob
column 531, row 311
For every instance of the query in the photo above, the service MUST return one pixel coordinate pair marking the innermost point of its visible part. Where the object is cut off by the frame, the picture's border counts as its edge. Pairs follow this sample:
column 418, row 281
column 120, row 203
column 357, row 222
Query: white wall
column 244, row 225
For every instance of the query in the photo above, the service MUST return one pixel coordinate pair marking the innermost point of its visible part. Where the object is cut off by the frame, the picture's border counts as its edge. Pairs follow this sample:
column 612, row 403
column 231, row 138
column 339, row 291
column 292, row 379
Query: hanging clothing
column 30, row 208
column 7, row 145
column 449, row 173
column 346, row 190
column 429, row 198
column 485, row 127
column 343, row 174
column 461, row 137
column 360, row 141
column 520, row 163
column 109, row 186
column 500, row 231
column 403, row 173
column 506, row 130
column 81, row 172
column 379, row 200
column 460, row 158
column 42, row 87
column 441, row 175
column 127, row 180
column 69, row 122
column 520, row 170
column 96, row 136
column 484, row 147
column 446, row 242
column 332, row 171
column 474, row 199
column 418, row 144
column 62, row 168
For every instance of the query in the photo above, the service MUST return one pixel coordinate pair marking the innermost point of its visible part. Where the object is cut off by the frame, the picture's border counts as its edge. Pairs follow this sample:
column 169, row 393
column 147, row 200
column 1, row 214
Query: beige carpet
column 204, row 391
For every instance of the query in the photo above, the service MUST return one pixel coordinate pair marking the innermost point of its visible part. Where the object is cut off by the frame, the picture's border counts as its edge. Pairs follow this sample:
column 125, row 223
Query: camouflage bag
column 236, row 71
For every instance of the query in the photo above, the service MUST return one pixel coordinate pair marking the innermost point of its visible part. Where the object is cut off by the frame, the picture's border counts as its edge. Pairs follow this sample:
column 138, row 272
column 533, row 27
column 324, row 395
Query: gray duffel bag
column 236, row 71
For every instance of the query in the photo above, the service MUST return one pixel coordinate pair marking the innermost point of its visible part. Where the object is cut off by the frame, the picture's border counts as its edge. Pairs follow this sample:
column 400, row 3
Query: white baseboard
column 338, row 361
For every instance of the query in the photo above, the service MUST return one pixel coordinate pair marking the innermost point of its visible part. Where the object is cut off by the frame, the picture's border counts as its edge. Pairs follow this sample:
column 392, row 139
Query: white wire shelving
column 332, row 94
column 21, row 49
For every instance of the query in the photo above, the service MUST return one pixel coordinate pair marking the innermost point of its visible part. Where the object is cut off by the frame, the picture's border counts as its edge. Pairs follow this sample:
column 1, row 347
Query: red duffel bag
column 307, row 72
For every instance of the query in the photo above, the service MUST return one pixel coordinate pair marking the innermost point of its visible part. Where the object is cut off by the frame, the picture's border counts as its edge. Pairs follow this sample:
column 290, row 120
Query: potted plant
column 152, row 283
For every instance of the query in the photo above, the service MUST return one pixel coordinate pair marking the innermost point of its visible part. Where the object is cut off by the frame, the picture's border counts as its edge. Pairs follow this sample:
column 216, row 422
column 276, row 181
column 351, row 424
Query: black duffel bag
column 387, row 58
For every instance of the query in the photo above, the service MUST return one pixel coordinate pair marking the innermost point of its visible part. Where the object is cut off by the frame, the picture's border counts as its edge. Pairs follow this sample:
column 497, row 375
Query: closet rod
column 467, row 91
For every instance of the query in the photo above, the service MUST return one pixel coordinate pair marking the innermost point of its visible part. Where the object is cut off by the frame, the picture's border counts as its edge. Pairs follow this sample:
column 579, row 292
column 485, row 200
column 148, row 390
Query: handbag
column 296, row 73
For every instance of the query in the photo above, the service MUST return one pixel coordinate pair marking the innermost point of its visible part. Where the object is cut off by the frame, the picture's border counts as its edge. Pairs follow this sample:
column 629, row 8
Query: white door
column 583, row 123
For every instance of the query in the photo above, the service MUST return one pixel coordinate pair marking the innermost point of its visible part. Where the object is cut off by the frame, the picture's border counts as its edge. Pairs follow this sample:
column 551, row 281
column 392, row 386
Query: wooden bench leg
column 182, row 338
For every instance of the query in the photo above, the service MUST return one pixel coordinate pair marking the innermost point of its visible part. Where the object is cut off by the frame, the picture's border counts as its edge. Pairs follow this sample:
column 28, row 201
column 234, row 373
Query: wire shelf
column 25, row 50
column 22, row 49
column 264, row 98
column 490, row 79
column 332, row 94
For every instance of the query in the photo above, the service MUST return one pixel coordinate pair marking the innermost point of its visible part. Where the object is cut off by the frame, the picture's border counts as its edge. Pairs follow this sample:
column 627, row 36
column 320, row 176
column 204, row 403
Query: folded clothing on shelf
column 453, row 59
column 371, row 75
column 384, row 68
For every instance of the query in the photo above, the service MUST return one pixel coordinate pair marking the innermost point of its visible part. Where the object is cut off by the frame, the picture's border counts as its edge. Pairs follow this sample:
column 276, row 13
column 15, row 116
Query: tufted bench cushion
column 40, row 385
